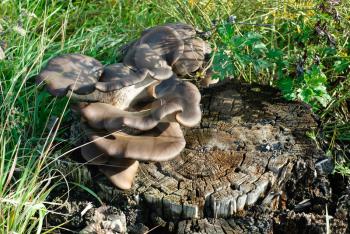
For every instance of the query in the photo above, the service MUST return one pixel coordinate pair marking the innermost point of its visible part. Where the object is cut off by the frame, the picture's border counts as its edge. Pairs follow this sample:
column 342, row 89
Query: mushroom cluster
column 132, row 111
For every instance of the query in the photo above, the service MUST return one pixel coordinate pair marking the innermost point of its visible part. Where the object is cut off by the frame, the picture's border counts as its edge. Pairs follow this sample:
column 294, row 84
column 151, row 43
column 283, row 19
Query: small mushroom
column 75, row 72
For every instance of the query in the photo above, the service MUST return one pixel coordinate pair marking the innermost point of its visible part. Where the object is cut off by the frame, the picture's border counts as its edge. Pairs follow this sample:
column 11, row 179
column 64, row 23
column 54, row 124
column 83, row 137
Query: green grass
column 32, row 32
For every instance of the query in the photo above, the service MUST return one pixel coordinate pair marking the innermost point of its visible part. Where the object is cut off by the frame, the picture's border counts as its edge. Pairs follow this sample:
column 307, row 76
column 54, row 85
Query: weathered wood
column 240, row 155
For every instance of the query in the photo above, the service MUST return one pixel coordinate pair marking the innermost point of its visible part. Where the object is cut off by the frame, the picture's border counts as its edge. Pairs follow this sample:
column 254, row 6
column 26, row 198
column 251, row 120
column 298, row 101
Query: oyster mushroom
column 74, row 72
column 161, row 41
column 155, row 133
column 181, row 104
column 121, row 98
column 117, row 76
column 193, row 57
column 117, row 154
column 135, row 108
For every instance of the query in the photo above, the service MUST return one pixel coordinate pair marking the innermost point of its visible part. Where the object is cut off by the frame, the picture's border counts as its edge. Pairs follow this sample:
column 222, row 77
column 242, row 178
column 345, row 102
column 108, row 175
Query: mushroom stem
column 121, row 172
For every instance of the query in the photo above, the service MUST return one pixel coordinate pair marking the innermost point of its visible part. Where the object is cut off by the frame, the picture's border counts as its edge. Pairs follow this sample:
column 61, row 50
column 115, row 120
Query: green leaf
column 315, row 77
column 341, row 65
column 324, row 99
column 261, row 64
column 226, row 32
column 259, row 47
column 286, row 85
column 252, row 38
column 274, row 53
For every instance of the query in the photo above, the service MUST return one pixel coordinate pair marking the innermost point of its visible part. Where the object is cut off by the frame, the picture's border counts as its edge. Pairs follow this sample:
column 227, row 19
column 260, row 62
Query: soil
column 249, row 167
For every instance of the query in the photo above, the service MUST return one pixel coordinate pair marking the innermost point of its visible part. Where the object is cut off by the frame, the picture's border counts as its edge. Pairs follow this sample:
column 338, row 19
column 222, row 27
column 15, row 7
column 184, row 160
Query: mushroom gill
column 133, row 111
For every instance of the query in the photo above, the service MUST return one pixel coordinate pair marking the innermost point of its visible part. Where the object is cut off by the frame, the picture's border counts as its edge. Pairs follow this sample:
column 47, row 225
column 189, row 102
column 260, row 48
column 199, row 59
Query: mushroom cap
column 121, row 172
column 179, row 103
column 157, row 67
column 75, row 72
column 161, row 143
column 117, row 76
column 185, row 96
column 93, row 155
column 157, row 50
column 122, row 98
column 192, row 58
column 164, row 41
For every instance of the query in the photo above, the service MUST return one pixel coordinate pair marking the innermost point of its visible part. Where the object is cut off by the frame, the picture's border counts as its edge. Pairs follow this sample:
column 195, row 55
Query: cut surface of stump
column 240, row 155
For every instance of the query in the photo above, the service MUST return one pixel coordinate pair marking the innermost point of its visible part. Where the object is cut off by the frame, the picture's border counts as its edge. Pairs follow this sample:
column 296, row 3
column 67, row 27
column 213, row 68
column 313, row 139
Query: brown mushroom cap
column 181, row 103
column 117, row 76
column 93, row 155
column 121, row 98
column 192, row 58
column 161, row 143
column 157, row 50
column 164, row 41
column 150, row 60
column 75, row 72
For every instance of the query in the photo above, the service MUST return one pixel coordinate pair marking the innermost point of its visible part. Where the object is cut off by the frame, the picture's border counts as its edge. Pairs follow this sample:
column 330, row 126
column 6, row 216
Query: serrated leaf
column 341, row 65
column 259, row 46
column 305, row 94
column 274, row 53
column 324, row 99
column 252, row 38
column 286, row 85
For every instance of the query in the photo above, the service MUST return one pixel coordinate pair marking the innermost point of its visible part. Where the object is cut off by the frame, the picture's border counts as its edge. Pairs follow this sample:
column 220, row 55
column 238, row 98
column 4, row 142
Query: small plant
column 310, row 87
column 302, row 49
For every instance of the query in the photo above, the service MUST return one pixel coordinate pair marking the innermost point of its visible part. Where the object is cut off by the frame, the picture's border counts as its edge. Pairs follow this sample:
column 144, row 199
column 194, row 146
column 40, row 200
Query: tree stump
column 249, row 167
column 247, row 143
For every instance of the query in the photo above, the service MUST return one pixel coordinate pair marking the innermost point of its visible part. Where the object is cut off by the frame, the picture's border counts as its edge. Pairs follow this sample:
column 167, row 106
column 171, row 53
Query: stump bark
column 241, row 154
